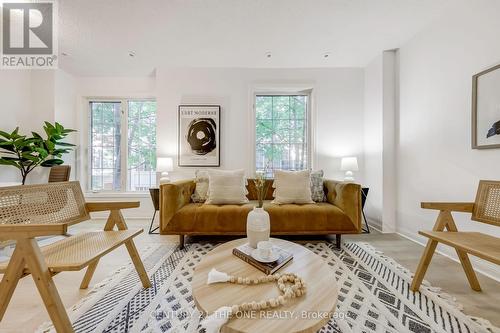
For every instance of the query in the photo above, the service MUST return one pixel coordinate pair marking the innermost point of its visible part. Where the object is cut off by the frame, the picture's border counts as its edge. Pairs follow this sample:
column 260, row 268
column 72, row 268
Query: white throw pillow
column 226, row 187
column 292, row 187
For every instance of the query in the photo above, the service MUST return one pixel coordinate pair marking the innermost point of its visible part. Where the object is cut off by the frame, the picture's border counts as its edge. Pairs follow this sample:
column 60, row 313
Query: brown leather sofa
column 341, row 214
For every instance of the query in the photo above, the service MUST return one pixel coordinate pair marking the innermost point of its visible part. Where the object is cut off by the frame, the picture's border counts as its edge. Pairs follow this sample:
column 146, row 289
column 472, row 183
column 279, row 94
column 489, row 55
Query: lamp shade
column 349, row 164
column 164, row 164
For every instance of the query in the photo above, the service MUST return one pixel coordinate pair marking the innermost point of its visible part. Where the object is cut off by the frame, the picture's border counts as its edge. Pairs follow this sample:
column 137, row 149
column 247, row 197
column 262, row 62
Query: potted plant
column 26, row 153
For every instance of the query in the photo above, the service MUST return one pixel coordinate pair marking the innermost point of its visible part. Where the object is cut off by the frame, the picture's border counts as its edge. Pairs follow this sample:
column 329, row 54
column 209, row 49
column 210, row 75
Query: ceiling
column 97, row 35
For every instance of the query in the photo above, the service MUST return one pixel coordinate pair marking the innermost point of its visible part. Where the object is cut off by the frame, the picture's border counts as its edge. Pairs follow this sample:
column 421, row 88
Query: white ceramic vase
column 258, row 226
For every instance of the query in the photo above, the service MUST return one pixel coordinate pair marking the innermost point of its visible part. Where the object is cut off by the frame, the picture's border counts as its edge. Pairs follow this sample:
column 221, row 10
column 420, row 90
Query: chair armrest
column 174, row 196
column 465, row 207
column 104, row 206
column 347, row 197
column 16, row 231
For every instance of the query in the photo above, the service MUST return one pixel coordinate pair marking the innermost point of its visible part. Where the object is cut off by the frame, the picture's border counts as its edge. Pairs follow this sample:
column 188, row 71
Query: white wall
column 27, row 101
column 380, row 174
column 337, row 106
column 373, row 141
column 435, row 159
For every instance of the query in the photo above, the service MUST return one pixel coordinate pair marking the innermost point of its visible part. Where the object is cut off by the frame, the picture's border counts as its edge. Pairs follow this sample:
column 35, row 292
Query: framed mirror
column 486, row 109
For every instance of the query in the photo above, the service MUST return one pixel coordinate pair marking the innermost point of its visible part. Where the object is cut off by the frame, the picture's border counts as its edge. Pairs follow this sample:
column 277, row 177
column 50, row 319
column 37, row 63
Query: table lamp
column 349, row 164
column 164, row 165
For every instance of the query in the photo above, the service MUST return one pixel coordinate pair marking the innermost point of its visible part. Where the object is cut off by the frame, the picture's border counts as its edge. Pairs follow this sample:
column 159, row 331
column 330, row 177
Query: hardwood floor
column 26, row 311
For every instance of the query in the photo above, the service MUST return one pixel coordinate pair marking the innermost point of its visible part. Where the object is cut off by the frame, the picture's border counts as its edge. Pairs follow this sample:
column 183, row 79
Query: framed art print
column 486, row 109
column 199, row 135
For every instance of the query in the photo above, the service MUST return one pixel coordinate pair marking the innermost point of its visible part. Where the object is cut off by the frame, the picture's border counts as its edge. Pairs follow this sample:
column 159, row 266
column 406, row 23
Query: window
column 120, row 162
column 282, row 132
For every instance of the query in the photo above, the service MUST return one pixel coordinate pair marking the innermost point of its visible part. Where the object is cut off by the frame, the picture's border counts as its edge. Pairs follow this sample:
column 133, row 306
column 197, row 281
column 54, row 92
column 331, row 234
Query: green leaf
column 52, row 162
column 65, row 144
column 36, row 135
column 30, row 157
column 3, row 161
column 5, row 134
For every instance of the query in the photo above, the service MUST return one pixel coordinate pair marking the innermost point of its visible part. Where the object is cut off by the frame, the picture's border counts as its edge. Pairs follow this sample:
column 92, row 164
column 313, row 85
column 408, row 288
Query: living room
column 350, row 141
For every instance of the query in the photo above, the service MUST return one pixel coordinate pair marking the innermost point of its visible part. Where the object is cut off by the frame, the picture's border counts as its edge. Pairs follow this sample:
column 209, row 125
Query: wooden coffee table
column 305, row 314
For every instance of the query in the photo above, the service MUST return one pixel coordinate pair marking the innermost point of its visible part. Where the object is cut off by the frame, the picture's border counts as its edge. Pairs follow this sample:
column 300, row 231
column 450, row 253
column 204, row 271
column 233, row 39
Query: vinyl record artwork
column 199, row 135
column 486, row 109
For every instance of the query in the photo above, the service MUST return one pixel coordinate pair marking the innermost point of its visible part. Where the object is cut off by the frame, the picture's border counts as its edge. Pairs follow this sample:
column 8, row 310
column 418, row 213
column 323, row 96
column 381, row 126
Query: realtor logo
column 28, row 35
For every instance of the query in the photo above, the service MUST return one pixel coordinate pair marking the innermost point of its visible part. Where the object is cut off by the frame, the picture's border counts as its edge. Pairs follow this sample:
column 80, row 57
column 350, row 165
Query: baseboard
column 375, row 225
column 483, row 268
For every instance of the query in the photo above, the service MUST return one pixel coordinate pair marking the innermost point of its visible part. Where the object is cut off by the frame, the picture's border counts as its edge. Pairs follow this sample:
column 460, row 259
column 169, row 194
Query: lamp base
column 164, row 178
column 348, row 176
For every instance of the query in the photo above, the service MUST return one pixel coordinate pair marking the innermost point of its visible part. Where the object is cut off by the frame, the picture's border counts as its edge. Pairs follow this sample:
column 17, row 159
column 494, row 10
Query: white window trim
column 284, row 89
column 85, row 157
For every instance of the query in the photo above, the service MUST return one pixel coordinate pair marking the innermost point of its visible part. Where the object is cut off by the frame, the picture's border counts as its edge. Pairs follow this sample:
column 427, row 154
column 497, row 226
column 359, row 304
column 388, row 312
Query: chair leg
column 181, row 242
column 10, row 279
column 338, row 241
column 469, row 270
column 88, row 274
column 139, row 266
column 46, row 287
column 423, row 265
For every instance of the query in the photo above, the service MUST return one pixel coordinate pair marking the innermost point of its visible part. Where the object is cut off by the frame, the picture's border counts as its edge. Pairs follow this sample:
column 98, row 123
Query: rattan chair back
column 487, row 204
column 59, row 173
column 61, row 203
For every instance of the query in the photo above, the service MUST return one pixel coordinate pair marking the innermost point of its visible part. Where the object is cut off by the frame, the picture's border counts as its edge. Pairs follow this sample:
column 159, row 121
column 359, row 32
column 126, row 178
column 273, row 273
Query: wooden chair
column 59, row 173
column 485, row 209
column 30, row 211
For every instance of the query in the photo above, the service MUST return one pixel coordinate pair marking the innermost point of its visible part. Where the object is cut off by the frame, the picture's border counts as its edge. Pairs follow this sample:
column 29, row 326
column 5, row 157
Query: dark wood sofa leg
column 181, row 242
column 338, row 239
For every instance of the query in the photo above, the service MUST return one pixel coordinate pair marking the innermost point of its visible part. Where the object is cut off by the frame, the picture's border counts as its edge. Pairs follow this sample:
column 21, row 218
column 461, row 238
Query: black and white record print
column 199, row 129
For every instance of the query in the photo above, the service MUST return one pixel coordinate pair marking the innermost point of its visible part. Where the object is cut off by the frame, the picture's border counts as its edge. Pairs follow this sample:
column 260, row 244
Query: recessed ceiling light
column 326, row 55
column 131, row 54
column 269, row 54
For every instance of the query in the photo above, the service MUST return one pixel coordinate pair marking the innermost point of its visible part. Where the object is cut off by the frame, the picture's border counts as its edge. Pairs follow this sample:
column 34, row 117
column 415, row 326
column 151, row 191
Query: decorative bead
column 240, row 280
column 282, row 300
column 235, row 309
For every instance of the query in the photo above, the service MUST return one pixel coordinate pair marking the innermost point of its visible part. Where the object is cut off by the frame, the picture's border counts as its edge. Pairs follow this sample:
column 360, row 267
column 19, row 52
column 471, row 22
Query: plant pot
column 258, row 226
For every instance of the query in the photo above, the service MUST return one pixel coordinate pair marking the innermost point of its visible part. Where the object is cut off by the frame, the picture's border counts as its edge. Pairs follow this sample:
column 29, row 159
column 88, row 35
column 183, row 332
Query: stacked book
column 244, row 252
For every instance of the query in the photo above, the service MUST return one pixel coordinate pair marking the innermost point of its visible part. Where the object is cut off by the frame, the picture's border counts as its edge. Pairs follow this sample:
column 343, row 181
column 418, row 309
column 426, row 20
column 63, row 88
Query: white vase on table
column 258, row 226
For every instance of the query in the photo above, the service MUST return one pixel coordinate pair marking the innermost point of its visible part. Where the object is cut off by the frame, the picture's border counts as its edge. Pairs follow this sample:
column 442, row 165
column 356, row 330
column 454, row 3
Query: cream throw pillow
column 226, row 187
column 292, row 187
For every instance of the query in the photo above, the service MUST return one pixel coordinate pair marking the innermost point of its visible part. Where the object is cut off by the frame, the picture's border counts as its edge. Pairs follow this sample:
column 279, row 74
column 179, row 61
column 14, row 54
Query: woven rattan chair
column 59, row 173
column 45, row 210
column 485, row 209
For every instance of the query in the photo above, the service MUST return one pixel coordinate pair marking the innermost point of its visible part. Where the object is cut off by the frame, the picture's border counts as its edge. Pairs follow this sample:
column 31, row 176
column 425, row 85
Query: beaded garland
column 296, row 288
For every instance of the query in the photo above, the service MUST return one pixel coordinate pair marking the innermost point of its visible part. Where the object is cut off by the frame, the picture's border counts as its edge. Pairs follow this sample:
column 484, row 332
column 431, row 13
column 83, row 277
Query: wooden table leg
column 46, row 287
column 11, row 277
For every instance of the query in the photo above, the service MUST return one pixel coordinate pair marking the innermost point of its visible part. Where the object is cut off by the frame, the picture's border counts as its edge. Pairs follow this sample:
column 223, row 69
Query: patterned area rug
column 374, row 296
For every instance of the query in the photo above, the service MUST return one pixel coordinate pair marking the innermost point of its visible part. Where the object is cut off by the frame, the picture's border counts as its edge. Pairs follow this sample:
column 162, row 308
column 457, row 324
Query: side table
column 155, row 197
column 364, row 195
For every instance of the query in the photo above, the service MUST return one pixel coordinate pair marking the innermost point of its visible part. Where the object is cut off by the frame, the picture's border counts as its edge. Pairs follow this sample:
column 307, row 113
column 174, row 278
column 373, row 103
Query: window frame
column 123, row 143
column 285, row 91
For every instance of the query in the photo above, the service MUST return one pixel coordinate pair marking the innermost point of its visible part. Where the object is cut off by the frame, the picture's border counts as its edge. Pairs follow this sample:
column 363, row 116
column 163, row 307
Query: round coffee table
column 304, row 314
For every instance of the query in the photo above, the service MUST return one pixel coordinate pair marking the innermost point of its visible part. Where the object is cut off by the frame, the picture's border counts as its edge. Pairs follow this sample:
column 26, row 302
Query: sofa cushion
column 292, row 187
column 196, row 218
column 226, row 187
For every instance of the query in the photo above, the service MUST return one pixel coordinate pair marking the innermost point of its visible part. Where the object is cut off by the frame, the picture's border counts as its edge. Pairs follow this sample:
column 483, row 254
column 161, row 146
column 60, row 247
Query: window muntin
column 282, row 132
column 122, row 162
